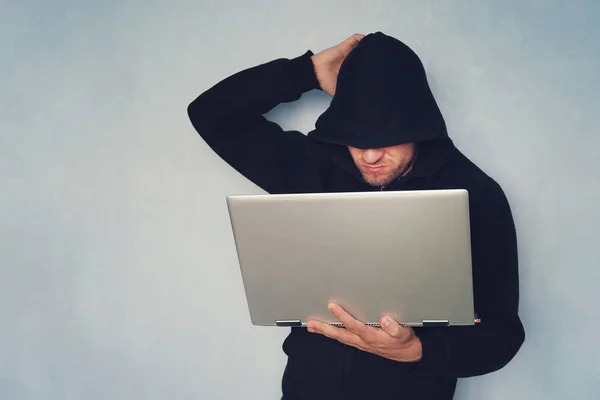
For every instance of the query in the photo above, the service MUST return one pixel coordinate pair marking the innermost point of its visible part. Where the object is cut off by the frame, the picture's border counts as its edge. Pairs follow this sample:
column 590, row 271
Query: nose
column 371, row 156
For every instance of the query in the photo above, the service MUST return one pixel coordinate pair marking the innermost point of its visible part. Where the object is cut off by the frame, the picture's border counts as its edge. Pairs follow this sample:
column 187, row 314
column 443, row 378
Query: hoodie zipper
column 347, row 366
column 349, row 354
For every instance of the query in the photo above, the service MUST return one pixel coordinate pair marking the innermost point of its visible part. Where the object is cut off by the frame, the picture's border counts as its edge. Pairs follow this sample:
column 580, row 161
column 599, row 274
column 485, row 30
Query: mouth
column 375, row 169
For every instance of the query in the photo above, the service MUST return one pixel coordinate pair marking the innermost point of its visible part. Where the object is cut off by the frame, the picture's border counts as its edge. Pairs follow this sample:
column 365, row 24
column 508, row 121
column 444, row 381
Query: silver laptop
column 402, row 254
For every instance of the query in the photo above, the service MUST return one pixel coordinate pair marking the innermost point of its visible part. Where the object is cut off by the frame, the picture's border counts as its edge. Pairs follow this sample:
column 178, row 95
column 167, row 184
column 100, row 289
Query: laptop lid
column 402, row 254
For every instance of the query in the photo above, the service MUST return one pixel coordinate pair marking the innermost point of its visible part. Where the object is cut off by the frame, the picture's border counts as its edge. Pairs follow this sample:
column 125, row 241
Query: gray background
column 118, row 275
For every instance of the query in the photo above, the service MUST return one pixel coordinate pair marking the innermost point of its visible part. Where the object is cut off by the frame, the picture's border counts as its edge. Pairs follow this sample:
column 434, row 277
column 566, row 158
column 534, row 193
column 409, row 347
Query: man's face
column 381, row 166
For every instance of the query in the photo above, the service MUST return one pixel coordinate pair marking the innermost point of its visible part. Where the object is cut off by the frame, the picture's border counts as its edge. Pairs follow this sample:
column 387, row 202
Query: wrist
column 315, row 64
column 302, row 72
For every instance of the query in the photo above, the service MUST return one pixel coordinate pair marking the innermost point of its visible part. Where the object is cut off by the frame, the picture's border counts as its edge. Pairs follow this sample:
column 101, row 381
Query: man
column 382, row 131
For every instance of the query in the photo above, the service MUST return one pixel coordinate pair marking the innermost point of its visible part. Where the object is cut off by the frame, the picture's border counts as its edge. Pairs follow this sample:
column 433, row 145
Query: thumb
column 353, row 40
column 392, row 328
column 350, row 43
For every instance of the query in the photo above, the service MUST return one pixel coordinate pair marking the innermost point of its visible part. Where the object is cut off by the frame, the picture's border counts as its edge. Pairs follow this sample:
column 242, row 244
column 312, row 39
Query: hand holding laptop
column 391, row 341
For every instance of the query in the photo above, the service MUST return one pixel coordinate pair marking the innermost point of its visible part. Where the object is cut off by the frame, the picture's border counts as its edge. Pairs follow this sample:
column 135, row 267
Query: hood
column 383, row 99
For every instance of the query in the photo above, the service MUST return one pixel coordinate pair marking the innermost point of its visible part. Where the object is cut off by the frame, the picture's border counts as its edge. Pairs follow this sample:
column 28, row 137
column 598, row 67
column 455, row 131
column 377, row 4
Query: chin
column 380, row 179
column 377, row 181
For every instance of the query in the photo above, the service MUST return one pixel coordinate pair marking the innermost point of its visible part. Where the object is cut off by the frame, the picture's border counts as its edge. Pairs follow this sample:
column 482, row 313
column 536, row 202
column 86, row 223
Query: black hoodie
column 382, row 99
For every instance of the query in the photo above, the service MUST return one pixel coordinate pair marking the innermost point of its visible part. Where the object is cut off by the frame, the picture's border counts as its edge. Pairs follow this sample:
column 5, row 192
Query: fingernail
column 387, row 321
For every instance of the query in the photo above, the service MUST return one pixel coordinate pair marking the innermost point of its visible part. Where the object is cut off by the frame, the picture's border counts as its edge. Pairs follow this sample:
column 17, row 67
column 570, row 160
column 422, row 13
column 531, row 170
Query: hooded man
column 382, row 131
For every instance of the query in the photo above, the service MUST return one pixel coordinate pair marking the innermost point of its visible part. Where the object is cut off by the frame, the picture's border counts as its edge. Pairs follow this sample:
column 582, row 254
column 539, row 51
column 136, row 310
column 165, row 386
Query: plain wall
column 118, row 273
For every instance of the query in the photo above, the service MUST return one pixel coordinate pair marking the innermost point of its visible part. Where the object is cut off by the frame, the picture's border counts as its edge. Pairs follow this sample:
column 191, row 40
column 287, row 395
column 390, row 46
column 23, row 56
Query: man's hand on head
column 391, row 341
column 327, row 63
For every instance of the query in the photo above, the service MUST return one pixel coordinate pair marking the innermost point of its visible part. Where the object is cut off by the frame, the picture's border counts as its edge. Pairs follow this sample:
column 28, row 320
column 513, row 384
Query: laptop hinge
column 435, row 322
column 288, row 322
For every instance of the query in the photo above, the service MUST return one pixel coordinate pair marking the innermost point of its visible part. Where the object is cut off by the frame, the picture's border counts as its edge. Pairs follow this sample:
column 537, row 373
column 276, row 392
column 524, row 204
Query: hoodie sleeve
column 486, row 347
column 229, row 117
